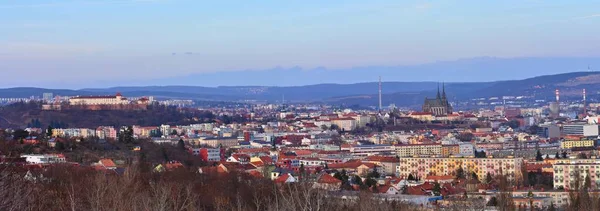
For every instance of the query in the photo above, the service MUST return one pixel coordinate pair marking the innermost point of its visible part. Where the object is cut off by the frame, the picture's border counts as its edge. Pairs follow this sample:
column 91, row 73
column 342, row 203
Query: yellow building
column 568, row 144
column 448, row 150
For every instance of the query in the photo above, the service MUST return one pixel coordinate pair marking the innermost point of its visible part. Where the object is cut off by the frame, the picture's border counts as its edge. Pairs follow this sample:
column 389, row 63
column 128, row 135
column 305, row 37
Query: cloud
column 586, row 17
column 423, row 6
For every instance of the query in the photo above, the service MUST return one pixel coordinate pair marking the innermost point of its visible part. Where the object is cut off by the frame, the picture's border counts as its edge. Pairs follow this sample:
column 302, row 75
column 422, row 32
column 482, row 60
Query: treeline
column 80, row 188
column 30, row 114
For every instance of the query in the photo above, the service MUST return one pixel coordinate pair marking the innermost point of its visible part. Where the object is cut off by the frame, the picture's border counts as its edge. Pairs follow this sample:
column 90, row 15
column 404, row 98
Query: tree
column 474, row 175
column 564, row 154
column 126, row 135
column 59, row 146
column 547, row 156
column 410, row 177
column 460, row 173
column 581, row 156
column 538, row 156
column 492, row 202
column 324, row 127
column 181, row 144
column 334, row 127
column 514, row 124
column 552, row 207
column 587, row 183
column 20, row 134
column 374, row 174
column 173, row 133
column 557, row 156
column 404, row 189
column 488, row 178
column 465, row 137
column 49, row 131
column 480, row 154
column 437, row 189
column 357, row 180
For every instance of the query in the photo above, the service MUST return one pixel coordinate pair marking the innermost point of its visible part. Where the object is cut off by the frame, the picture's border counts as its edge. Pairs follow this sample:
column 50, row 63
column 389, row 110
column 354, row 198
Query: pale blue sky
column 88, row 41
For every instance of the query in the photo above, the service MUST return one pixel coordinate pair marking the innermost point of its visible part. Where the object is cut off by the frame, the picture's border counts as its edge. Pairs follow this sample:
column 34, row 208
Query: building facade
column 425, row 166
column 418, row 149
column 117, row 99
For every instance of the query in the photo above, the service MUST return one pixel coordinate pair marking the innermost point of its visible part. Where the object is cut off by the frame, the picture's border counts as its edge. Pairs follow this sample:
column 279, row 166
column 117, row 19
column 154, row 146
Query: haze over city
column 88, row 43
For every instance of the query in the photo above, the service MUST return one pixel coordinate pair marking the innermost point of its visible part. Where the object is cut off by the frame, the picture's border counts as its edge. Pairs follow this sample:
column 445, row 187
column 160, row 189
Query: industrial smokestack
column 557, row 96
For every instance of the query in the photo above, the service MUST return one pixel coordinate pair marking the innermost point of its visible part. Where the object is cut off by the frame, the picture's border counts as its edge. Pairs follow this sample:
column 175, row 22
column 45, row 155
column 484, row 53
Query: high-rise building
column 47, row 96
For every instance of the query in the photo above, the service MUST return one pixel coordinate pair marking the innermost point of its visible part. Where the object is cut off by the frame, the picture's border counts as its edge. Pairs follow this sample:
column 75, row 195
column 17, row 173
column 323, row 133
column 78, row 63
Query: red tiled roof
column 108, row 163
column 420, row 113
column 266, row 160
column 173, row 165
column 384, row 159
column 282, row 178
column 328, row 179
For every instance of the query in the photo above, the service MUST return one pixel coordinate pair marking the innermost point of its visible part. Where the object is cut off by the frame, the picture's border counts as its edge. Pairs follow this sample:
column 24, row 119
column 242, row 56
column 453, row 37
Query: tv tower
column 584, row 106
column 557, row 96
column 380, row 106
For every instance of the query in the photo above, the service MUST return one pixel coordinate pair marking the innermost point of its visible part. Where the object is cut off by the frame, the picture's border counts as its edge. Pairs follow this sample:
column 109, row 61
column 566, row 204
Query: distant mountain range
column 363, row 94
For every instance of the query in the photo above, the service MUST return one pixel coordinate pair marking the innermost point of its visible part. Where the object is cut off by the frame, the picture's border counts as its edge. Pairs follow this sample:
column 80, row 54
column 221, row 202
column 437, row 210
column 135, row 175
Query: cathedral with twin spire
column 439, row 105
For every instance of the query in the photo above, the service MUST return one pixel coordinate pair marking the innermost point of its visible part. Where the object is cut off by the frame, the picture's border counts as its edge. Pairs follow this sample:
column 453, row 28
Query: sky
column 96, row 43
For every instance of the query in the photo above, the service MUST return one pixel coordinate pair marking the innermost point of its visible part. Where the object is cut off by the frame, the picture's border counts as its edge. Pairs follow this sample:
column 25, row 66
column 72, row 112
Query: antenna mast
column 584, row 106
column 380, row 107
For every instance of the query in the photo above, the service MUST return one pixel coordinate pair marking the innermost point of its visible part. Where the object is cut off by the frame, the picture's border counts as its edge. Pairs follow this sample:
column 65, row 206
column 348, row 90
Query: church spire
column 438, row 92
column 443, row 90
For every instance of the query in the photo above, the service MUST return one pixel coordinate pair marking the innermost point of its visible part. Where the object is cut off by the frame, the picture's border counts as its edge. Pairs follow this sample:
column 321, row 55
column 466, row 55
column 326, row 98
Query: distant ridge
column 365, row 94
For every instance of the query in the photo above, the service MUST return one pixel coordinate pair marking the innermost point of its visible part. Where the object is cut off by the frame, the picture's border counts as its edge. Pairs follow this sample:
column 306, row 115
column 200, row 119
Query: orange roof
column 108, row 163
column 173, row 165
column 266, row 160
column 328, row 179
column 282, row 178
column 256, row 174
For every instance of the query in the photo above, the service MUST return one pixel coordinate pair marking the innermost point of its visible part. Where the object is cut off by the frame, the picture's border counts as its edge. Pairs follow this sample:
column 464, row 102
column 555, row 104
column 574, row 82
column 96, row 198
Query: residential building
column 418, row 149
column 424, row 166
column 580, row 130
column 44, row 159
column 345, row 123
column 452, row 149
column 566, row 171
column 369, row 150
column 568, row 144
column 388, row 164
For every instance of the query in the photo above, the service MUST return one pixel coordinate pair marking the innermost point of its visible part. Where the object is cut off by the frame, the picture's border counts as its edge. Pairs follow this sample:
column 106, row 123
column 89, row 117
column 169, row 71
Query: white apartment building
column 418, row 149
column 369, row 150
